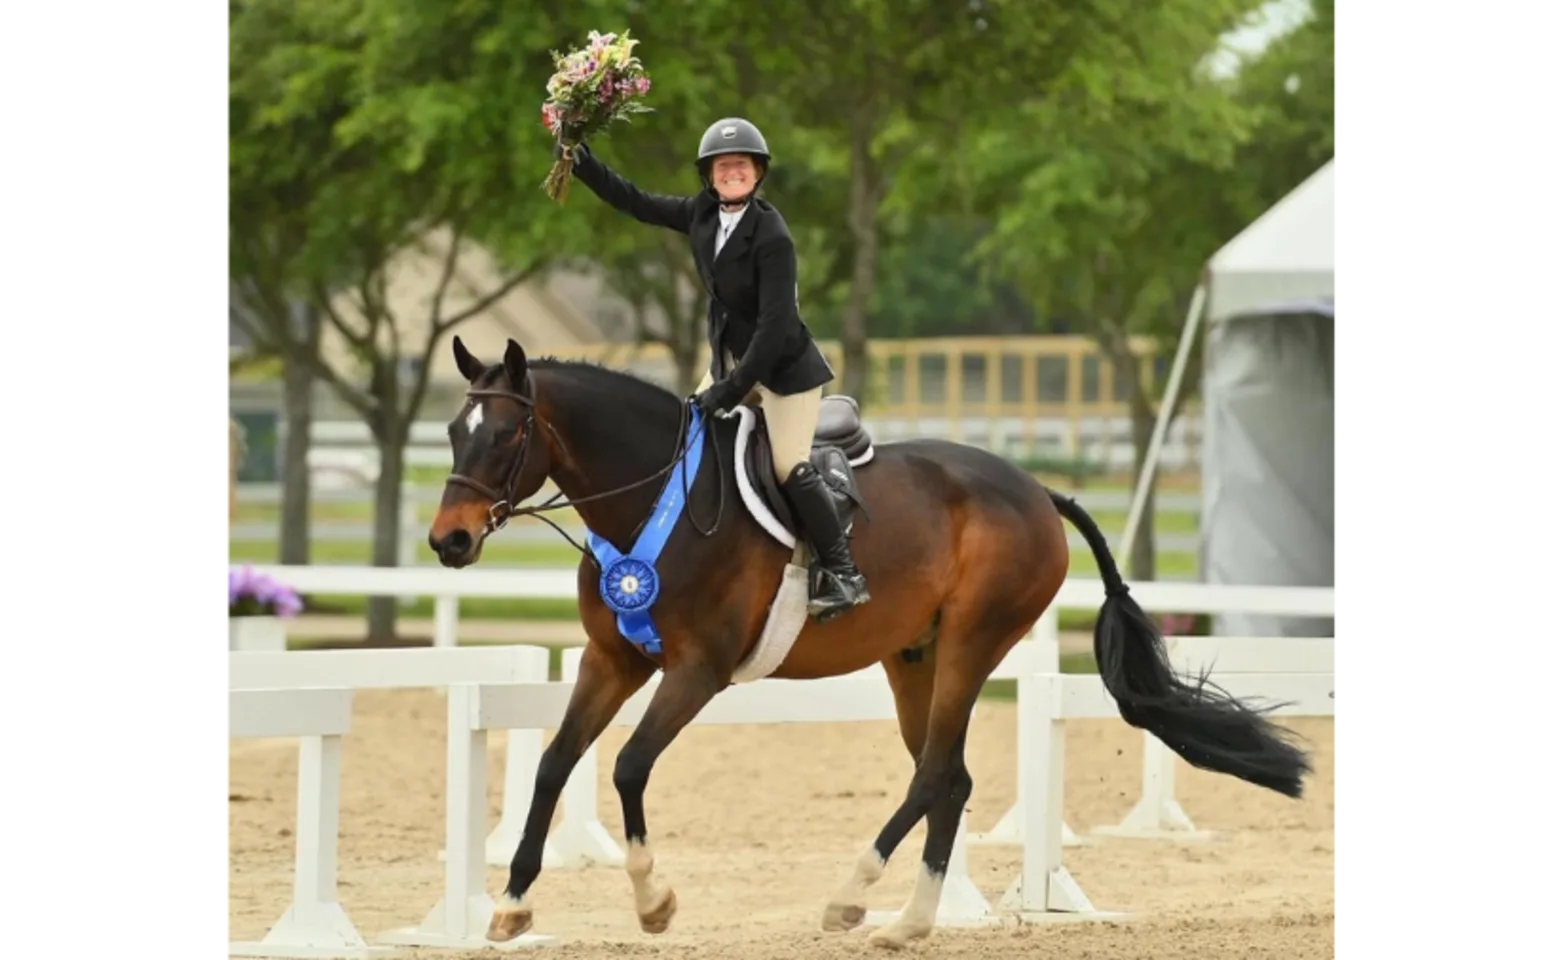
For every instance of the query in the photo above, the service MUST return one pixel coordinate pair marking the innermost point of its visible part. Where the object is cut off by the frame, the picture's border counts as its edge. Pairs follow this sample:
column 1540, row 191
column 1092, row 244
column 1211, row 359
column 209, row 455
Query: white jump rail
column 1045, row 890
column 1262, row 664
column 315, row 924
column 407, row 667
column 1153, row 597
column 461, row 917
column 422, row 667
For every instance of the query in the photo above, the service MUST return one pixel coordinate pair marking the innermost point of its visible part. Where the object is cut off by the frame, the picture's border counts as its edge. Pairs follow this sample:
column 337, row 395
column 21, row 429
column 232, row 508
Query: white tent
column 1268, row 463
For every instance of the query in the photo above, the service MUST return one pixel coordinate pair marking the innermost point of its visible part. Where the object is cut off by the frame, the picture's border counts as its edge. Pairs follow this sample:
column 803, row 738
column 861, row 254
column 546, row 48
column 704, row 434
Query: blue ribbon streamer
column 629, row 583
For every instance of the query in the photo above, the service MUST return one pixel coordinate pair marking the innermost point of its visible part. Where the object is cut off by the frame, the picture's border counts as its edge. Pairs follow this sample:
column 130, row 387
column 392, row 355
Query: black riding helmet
column 732, row 135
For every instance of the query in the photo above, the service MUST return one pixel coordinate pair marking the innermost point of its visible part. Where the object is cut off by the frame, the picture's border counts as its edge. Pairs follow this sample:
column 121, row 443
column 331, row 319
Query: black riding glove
column 719, row 398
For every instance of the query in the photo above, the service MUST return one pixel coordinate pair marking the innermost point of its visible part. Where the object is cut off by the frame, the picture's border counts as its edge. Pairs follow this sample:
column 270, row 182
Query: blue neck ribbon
column 629, row 583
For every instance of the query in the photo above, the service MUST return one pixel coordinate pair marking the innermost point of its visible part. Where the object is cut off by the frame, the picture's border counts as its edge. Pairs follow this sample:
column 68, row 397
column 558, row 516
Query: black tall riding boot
column 842, row 586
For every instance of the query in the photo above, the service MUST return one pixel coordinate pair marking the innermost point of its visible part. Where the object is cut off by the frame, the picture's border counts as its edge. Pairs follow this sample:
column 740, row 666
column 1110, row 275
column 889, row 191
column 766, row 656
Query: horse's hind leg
column 944, row 819
column 913, row 686
column 608, row 677
column 973, row 639
column 939, row 790
column 681, row 695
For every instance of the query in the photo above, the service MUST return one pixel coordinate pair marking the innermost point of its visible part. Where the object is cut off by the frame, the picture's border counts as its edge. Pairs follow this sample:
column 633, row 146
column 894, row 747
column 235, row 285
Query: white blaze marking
column 474, row 418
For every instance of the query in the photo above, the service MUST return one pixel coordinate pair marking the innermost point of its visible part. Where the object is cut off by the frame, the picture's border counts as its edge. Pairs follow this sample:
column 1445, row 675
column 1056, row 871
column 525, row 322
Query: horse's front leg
column 608, row 677
column 681, row 695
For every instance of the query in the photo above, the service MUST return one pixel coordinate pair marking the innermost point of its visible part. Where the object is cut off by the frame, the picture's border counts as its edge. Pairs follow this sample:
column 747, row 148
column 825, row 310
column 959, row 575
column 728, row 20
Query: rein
column 502, row 507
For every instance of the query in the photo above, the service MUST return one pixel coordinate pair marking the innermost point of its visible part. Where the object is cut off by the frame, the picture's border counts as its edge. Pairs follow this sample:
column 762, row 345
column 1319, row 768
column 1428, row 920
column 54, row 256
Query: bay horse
column 964, row 551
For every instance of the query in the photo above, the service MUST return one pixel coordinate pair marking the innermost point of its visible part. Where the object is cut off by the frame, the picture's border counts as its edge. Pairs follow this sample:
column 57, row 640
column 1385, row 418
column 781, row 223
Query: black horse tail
column 1200, row 722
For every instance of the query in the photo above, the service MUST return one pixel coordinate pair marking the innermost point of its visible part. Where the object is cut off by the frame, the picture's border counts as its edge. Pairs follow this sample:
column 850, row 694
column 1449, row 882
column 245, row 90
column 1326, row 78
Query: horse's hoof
column 841, row 917
column 511, row 919
column 896, row 937
column 656, row 920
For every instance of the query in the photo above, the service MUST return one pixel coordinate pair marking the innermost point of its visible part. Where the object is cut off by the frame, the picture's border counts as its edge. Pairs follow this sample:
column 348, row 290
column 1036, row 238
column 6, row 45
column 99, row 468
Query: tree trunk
column 298, row 385
column 863, row 205
column 388, row 530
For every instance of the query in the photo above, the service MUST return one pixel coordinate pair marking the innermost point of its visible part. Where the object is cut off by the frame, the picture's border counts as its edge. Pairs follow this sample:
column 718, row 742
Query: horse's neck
column 608, row 444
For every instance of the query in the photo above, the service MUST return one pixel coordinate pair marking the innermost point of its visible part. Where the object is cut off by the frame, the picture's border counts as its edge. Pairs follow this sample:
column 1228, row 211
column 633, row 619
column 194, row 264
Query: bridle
column 502, row 505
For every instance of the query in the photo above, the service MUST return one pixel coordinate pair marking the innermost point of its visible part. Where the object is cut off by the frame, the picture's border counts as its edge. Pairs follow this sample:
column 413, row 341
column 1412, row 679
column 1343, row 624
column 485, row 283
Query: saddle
column 840, row 445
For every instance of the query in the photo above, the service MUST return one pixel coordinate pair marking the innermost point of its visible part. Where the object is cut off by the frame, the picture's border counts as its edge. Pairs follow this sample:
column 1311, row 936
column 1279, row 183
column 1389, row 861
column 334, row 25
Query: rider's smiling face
column 734, row 175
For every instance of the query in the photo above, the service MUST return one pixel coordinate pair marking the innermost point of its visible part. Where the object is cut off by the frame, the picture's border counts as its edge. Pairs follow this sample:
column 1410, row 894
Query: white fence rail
column 449, row 587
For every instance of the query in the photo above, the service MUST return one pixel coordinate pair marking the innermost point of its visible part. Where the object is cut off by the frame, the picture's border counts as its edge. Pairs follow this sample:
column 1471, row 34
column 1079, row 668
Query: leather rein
column 502, row 506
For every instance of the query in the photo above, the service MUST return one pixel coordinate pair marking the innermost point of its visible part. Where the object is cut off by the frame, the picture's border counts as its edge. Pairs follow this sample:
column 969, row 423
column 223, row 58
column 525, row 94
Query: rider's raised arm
column 777, row 266
column 657, row 209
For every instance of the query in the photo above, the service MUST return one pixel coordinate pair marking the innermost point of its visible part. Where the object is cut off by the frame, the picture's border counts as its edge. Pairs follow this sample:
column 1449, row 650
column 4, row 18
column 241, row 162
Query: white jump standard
column 314, row 925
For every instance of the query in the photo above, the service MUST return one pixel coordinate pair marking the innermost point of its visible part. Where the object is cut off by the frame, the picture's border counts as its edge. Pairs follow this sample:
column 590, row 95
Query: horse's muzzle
column 455, row 549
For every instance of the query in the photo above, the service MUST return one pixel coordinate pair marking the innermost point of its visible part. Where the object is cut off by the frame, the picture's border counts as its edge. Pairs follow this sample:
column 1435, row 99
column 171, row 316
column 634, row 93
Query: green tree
column 272, row 185
column 1291, row 85
column 363, row 133
column 1099, row 188
column 872, row 91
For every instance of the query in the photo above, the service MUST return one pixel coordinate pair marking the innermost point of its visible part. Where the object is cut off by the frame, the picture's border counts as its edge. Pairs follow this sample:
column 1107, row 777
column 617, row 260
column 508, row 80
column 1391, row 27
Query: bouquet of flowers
column 251, row 594
column 590, row 89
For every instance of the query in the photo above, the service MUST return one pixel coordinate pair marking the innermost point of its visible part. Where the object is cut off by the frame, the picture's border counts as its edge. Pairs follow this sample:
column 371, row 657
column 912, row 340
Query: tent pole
column 1186, row 342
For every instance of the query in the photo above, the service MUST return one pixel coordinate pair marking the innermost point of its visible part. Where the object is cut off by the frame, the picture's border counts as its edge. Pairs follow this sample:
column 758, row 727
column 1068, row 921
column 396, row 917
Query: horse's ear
column 470, row 366
column 515, row 363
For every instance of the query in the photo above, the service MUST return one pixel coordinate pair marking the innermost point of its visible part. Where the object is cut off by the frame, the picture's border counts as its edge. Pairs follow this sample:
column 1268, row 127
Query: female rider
column 745, row 257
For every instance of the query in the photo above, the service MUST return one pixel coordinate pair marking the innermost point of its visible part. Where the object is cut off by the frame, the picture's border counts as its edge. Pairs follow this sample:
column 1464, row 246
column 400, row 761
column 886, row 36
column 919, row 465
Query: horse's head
column 497, row 458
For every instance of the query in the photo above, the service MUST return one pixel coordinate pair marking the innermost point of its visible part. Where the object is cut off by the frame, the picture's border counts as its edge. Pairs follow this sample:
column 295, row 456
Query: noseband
column 502, row 504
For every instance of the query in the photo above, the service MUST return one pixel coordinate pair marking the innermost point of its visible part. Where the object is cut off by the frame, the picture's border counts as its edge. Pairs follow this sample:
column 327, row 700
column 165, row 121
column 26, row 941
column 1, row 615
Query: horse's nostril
column 453, row 546
column 457, row 543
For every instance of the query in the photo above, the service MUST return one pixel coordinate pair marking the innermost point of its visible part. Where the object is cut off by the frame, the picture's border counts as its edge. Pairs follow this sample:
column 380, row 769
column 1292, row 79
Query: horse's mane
column 607, row 375
column 595, row 374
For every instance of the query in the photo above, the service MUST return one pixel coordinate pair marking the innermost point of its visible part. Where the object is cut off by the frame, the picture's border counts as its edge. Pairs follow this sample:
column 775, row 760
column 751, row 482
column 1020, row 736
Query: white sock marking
column 923, row 906
column 638, row 864
column 866, row 873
